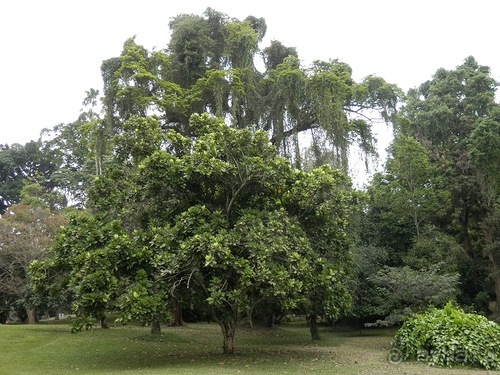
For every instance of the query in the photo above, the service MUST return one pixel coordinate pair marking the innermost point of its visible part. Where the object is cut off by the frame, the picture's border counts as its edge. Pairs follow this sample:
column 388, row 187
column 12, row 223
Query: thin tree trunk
column 228, row 332
column 177, row 311
column 155, row 327
column 313, row 327
column 466, row 239
column 30, row 311
column 250, row 318
column 495, row 268
column 417, row 223
column 3, row 317
column 270, row 320
column 104, row 323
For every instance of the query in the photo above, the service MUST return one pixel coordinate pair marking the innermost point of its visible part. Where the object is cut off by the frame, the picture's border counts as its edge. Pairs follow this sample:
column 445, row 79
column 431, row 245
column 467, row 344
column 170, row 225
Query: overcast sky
column 52, row 50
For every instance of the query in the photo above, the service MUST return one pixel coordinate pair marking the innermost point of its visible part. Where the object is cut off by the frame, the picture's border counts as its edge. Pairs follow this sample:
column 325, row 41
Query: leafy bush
column 447, row 337
column 401, row 291
column 83, row 323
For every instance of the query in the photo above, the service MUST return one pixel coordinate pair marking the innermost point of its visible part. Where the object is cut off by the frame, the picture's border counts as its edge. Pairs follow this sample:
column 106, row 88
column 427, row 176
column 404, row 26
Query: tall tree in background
column 405, row 200
column 21, row 162
column 415, row 186
column 485, row 155
column 450, row 116
column 434, row 208
column 209, row 67
column 404, row 261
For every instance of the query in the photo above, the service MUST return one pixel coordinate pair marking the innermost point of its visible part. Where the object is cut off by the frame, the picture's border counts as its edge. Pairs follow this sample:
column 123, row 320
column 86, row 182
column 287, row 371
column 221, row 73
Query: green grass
column 50, row 349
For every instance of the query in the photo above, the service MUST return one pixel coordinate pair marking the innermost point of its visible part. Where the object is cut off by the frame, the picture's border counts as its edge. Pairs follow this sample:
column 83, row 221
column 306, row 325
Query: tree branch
column 357, row 112
column 299, row 128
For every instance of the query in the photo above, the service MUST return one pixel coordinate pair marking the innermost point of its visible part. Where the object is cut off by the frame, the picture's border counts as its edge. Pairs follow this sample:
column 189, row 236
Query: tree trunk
column 416, row 222
column 466, row 239
column 3, row 317
column 177, row 311
column 104, row 323
column 313, row 327
column 155, row 327
column 30, row 311
column 270, row 320
column 228, row 331
column 495, row 268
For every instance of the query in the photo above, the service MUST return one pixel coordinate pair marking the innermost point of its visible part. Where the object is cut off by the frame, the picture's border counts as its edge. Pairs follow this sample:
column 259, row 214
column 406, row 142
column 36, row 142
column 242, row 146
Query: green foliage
column 455, row 117
column 85, row 260
column 436, row 201
column 276, row 53
column 21, row 162
column 264, row 257
column 189, row 43
column 436, row 248
column 78, row 150
column 144, row 300
column 485, row 148
column 449, row 336
column 413, row 186
column 83, row 323
column 209, row 67
column 26, row 234
column 140, row 137
column 34, row 195
column 230, row 225
column 241, row 44
column 401, row 291
column 367, row 262
column 384, row 225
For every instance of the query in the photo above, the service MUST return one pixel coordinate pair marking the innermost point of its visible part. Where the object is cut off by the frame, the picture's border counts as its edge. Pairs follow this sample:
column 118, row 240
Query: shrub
column 447, row 337
column 402, row 291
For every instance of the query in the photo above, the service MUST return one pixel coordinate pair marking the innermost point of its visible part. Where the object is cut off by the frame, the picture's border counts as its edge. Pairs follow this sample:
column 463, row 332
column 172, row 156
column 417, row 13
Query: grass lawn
column 50, row 349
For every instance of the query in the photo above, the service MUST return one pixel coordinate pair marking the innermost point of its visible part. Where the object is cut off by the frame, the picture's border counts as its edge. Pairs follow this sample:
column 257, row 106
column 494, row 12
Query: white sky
column 51, row 50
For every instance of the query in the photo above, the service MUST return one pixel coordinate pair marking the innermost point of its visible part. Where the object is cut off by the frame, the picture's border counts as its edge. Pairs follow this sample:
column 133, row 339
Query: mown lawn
column 50, row 349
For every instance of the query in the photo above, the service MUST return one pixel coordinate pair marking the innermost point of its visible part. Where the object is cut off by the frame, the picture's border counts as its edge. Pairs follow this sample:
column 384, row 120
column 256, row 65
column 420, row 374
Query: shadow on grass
column 197, row 348
column 200, row 346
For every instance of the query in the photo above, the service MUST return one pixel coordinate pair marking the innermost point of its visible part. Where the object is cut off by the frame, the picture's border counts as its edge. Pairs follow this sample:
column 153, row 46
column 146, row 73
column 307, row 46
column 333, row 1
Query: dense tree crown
column 438, row 197
column 209, row 67
column 217, row 219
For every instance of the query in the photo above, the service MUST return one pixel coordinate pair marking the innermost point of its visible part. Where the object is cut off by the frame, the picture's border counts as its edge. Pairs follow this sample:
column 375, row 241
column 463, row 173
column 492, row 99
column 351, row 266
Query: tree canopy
column 209, row 66
column 446, row 145
column 222, row 220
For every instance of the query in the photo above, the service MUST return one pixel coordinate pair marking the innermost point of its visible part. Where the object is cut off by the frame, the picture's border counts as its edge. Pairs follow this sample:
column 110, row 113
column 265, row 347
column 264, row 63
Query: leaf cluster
column 448, row 337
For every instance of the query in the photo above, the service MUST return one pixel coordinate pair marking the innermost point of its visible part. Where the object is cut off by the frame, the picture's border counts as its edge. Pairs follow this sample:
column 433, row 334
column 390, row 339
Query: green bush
column 447, row 337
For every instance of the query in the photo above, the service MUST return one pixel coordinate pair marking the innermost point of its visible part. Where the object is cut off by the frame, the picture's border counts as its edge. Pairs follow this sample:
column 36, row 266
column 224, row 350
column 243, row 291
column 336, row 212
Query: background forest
column 210, row 180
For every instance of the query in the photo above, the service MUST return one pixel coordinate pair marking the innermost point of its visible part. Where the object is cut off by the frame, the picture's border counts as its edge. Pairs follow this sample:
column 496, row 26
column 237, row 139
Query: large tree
column 223, row 220
column 209, row 67
column 453, row 116
column 435, row 203
column 485, row 155
column 165, row 168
